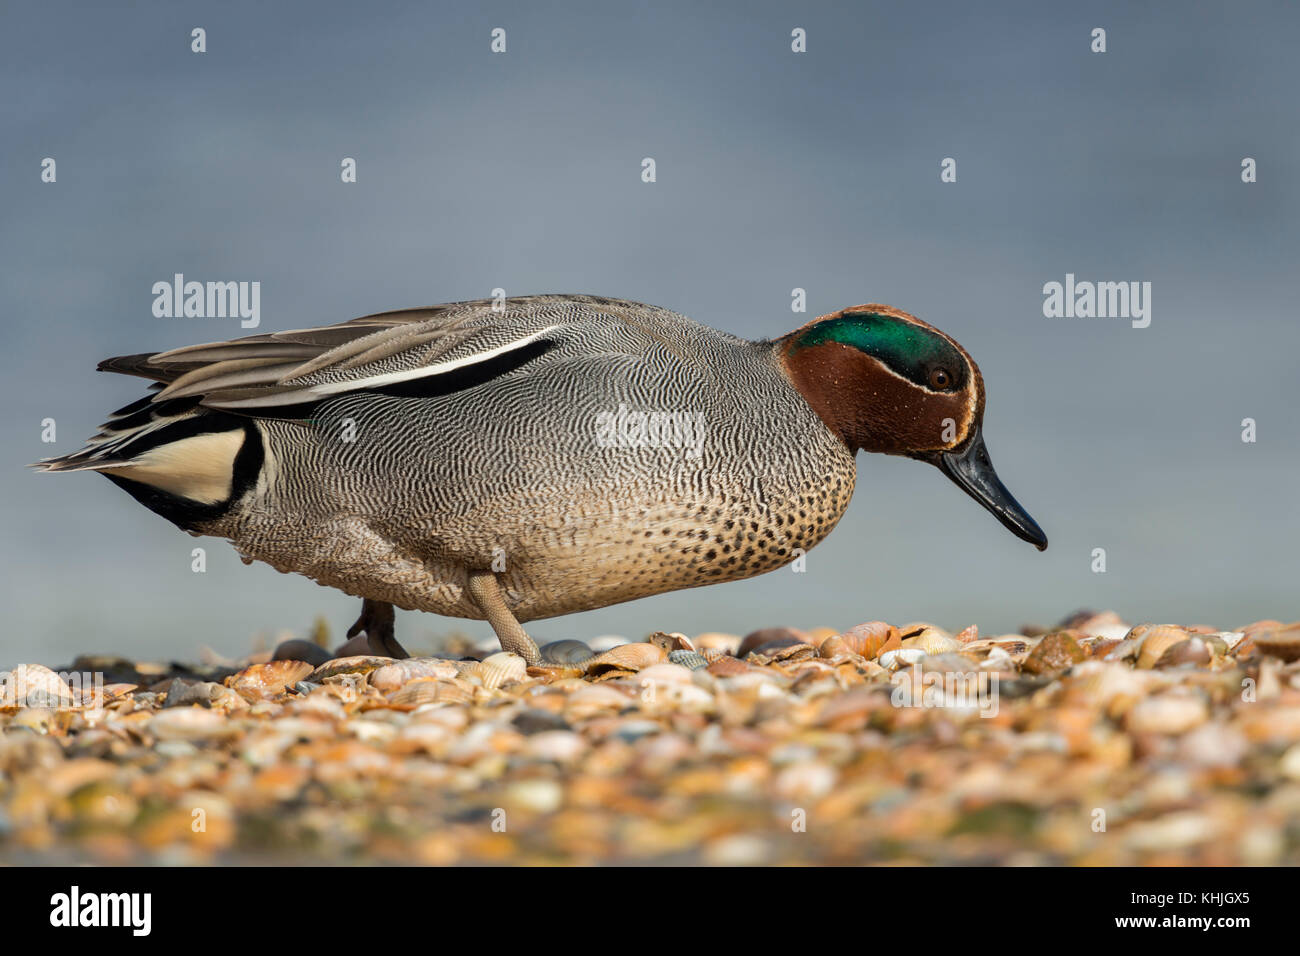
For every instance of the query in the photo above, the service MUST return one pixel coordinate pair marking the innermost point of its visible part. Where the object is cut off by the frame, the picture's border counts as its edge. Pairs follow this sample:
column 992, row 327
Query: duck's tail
column 186, row 462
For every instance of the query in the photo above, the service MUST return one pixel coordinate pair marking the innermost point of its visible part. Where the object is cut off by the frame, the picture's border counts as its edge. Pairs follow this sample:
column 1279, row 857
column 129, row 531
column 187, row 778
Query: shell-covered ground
column 1097, row 742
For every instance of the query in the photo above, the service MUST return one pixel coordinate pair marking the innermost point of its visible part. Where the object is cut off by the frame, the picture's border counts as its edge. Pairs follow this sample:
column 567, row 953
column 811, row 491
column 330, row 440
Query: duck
column 521, row 458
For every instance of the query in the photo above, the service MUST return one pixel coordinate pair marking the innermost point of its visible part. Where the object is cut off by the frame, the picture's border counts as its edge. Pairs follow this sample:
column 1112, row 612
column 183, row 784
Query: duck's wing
column 390, row 350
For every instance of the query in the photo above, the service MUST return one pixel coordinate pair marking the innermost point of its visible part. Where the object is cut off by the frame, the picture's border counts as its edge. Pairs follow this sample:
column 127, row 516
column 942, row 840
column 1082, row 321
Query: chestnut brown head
column 884, row 381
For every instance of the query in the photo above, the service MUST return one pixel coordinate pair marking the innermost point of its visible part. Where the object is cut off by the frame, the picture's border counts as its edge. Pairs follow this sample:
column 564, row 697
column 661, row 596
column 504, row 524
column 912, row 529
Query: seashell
column 900, row 657
column 1281, row 642
column 606, row 642
column 190, row 723
column 665, row 672
column 263, row 681
column 932, row 641
column 430, row 690
column 1166, row 714
column 669, row 642
column 916, row 628
column 625, row 657
column 691, row 660
column 782, row 652
column 593, row 700
column 968, row 634
column 714, row 641
column 834, row 647
column 770, row 635
column 34, row 685
column 565, row 653
column 392, row 676
column 1191, row 651
column 1156, row 639
column 728, row 667
column 299, row 650
column 1054, row 652
column 498, row 669
column 363, row 664
column 870, row 639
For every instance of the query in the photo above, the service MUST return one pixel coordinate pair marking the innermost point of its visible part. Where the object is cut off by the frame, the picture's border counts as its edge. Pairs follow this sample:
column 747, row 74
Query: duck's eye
column 939, row 378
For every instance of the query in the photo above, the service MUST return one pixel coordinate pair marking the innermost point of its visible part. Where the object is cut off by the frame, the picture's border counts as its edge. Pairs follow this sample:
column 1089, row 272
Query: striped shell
column 268, row 680
column 392, row 676
column 1155, row 641
column 430, row 690
column 497, row 669
column 625, row 657
column 932, row 641
column 691, row 660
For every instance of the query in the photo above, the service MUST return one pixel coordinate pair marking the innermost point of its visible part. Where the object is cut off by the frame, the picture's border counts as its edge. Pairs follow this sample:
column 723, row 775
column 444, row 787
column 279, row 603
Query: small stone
column 1054, row 653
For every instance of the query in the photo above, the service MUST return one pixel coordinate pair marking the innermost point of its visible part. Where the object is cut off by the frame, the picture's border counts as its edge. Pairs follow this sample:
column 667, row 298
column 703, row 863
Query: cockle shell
column 691, row 660
column 1156, row 639
column 870, row 639
column 263, row 681
column 392, row 676
column 497, row 669
column 430, row 690
column 931, row 641
column 625, row 657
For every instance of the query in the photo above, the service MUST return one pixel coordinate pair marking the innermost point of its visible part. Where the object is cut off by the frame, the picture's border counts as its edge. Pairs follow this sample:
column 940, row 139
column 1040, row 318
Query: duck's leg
column 377, row 621
column 486, row 592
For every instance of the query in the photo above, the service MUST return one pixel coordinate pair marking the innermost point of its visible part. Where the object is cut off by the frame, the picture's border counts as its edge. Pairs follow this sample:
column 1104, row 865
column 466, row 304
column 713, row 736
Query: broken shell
column 625, row 657
column 968, row 634
column 1191, row 651
column 1157, row 639
column 263, row 681
column 498, row 669
column 870, row 639
column 363, row 664
column 392, row 676
column 669, row 642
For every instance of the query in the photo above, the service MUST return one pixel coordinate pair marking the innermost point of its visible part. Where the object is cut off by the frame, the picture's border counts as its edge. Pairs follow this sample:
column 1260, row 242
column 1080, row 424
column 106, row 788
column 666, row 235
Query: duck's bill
column 971, row 469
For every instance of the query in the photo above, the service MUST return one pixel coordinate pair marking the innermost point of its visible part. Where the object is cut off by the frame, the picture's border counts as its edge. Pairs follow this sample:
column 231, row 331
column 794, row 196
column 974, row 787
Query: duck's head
column 885, row 381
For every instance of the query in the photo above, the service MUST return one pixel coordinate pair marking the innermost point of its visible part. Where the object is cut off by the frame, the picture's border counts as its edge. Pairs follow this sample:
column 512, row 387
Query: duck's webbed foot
column 376, row 621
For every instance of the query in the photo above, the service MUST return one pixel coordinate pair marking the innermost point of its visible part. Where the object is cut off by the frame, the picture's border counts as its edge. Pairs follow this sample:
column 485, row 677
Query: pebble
column 675, row 750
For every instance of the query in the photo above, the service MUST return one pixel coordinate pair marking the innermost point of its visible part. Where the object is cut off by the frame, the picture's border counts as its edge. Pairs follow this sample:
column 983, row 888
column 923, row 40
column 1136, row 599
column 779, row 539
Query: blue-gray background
column 775, row 170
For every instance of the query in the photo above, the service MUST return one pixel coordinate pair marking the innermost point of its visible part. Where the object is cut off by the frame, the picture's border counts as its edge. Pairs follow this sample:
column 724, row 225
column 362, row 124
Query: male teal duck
column 535, row 456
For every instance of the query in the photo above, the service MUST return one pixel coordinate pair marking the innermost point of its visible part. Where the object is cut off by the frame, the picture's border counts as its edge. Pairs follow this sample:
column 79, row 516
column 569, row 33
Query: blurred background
column 775, row 170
